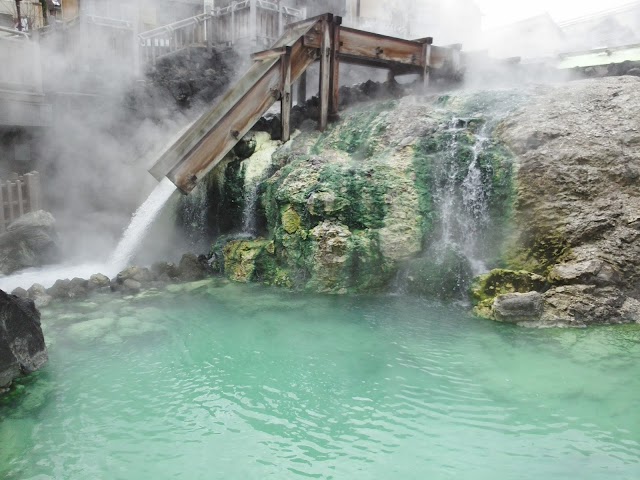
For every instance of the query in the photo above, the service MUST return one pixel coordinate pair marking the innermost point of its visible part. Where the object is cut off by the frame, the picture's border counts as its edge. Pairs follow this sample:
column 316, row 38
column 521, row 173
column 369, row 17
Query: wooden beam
column 325, row 74
column 302, row 89
column 285, row 100
column 195, row 133
column 380, row 48
column 425, row 75
column 268, row 54
column 334, row 100
column 2, row 219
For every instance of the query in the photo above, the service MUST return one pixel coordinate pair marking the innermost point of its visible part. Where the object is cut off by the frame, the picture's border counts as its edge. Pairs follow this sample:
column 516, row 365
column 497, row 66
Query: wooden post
column 253, row 23
column 285, row 100
column 10, row 200
column 426, row 62
column 302, row 89
column 334, row 100
column 209, row 31
column 2, row 220
column 233, row 23
column 325, row 72
column 280, row 19
column 20, row 199
column 33, row 190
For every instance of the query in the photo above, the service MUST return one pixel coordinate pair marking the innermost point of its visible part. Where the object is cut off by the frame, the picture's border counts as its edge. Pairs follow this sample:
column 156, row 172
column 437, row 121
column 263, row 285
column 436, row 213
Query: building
column 609, row 28
column 534, row 37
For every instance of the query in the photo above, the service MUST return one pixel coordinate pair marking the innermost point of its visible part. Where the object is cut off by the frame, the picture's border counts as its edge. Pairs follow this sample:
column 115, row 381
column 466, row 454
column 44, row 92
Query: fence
column 254, row 23
column 18, row 196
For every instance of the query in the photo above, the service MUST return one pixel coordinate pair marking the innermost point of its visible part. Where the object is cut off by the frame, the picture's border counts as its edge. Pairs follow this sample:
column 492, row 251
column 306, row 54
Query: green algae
column 486, row 288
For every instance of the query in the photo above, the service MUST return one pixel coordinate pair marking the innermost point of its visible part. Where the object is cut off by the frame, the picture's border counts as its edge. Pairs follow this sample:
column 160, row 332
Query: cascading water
column 140, row 223
column 249, row 213
column 460, row 202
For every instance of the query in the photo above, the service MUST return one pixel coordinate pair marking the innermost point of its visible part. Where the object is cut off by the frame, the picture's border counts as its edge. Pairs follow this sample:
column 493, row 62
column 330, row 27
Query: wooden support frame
column 271, row 77
column 285, row 100
column 325, row 72
column 334, row 99
column 426, row 61
column 302, row 89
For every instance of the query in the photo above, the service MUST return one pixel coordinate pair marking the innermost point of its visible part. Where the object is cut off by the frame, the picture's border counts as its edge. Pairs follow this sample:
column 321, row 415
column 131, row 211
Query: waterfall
column 460, row 198
column 140, row 222
column 249, row 212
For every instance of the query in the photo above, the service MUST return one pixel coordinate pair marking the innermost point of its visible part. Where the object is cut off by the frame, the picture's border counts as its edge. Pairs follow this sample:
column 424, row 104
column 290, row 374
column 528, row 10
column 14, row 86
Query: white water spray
column 142, row 219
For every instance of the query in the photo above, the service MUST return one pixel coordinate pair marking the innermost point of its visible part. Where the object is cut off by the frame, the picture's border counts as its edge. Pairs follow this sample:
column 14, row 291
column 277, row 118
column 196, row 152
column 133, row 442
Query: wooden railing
column 254, row 23
column 18, row 196
column 271, row 77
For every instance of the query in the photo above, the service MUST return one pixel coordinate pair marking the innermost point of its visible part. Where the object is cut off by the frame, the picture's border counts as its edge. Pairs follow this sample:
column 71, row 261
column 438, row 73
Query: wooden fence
column 18, row 195
column 252, row 23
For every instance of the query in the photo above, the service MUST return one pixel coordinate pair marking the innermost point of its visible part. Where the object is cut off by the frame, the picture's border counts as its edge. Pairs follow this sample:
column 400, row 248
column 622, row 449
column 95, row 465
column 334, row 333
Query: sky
column 501, row 12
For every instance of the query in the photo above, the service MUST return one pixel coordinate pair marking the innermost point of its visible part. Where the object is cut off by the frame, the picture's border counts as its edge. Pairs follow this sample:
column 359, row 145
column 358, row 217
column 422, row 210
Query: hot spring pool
column 231, row 382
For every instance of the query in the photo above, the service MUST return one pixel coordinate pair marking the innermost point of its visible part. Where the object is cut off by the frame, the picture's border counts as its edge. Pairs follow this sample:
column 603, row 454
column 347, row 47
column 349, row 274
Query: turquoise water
column 229, row 382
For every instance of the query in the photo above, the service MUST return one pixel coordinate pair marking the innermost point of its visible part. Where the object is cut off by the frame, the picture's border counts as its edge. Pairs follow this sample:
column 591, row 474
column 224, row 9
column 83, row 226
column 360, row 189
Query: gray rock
column 517, row 307
column 20, row 292
column 595, row 272
column 30, row 241
column 165, row 271
column 138, row 274
column 39, row 295
column 60, row 289
column 131, row 286
column 22, row 346
column 193, row 267
column 99, row 281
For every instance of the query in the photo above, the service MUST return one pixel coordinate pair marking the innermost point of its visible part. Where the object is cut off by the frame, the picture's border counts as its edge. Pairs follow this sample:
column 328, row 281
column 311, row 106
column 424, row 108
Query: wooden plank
column 302, row 89
column 20, row 198
column 10, row 201
column 426, row 69
column 194, row 135
column 227, row 131
column 325, row 74
column 380, row 48
column 334, row 99
column 2, row 218
column 285, row 101
column 267, row 54
column 32, row 181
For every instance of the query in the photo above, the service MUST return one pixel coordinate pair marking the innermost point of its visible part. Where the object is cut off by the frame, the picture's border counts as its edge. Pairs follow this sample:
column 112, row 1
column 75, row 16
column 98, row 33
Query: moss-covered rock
column 498, row 282
column 244, row 260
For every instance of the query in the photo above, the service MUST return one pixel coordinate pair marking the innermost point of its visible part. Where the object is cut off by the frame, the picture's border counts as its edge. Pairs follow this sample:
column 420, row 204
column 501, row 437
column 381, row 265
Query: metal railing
column 19, row 195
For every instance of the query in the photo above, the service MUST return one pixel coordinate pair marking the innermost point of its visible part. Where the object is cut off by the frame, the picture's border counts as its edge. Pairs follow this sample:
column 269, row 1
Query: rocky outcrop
column 576, row 220
column 30, row 241
column 22, row 346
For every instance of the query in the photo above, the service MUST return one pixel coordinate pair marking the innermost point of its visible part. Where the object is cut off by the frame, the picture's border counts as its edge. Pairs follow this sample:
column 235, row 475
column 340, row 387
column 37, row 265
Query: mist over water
column 212, row 386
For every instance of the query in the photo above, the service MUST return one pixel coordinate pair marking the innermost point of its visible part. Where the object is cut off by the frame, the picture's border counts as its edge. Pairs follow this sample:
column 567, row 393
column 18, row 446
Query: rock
column 76, row 288
column 131, row 286
column 138, row 274
column 20, row 292
column 594, row 272
column 60, row 289
column 582, row 305
column 99, row 282
column 486, row 288
column 517, row 307
column 192, row 267
column 247, row 260
column 165, row 271
column 39, row 295
column 22, row 345
column 30, row 241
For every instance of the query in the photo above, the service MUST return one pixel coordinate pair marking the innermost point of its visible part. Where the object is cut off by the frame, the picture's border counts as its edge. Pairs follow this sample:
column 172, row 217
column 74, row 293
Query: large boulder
column 22, row 346
column 30, row 241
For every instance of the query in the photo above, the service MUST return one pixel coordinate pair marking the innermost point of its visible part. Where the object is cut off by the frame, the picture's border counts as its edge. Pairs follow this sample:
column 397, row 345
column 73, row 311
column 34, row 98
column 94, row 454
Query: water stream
column 140, row 222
